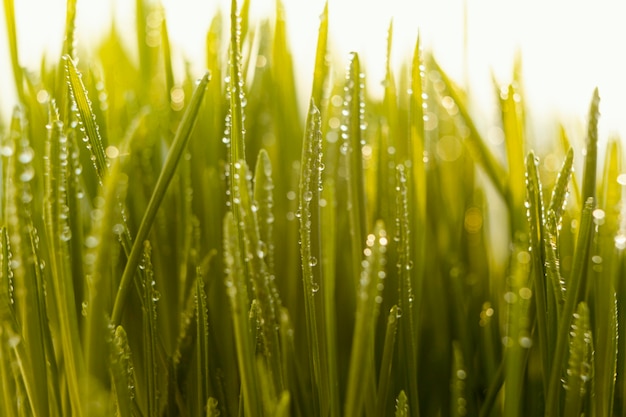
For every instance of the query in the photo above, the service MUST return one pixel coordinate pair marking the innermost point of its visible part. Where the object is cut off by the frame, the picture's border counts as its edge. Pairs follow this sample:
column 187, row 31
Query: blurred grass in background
column 202, row 248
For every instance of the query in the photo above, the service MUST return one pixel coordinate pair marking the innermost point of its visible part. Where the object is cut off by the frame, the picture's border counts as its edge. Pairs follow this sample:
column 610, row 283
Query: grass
column 172, row 247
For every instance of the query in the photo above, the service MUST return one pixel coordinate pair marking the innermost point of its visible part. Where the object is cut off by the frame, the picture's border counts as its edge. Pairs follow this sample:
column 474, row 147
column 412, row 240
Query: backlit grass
column 181, row 244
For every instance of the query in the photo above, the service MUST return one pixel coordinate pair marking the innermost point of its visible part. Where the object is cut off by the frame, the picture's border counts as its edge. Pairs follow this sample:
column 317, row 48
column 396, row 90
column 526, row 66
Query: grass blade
column 384, row 382
column 169, row 168
column 18, row 75
column 579, row 368
column 591, row 149
column 577, row 281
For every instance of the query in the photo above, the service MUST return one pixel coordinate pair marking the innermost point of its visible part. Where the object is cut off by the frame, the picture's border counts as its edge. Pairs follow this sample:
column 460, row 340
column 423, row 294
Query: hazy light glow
column 568, row 48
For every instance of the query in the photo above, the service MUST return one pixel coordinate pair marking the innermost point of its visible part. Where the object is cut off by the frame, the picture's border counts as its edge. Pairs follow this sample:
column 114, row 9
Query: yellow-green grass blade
column 235, row 92
column 58, row 235
column 408, row 331
column 122, row 372
column 576, row 283
column 150, row 297
column 351, row 148
column 202, row 337
column 264, row 201
column 473, row 140
column 322, row 67
column 605, row 277
column 369, row 297
column 458, row 399
column 311, row 253
column 18, row 72
column 167, row 173
column 565, row 145
column 591, row 149
column 87, row 120
column 385, row 382
column 518, row 335
column 402, row 405
column 513, row 126
column 236, row 288
column 580, row 362
column 546, row 307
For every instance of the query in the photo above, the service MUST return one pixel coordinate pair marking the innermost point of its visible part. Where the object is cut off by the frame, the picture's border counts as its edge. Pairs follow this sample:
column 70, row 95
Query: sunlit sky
column 568, row 47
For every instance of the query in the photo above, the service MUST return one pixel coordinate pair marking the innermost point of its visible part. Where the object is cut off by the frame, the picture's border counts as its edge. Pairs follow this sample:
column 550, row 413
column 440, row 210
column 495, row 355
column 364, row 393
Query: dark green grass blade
column 577, row 281
column 169, row 168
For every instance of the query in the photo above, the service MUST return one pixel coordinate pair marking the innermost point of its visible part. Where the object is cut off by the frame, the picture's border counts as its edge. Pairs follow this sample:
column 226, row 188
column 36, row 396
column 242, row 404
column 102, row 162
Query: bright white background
column 568, row 47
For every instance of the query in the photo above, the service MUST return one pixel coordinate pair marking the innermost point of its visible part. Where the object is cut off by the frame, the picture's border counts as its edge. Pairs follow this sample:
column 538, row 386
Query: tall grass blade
column 579, row 367
column 18, row 72
column 150, row 297
column 368, row 306
column 591, row 149
column 311, row 253
column 122, row 372
column 169, row 168
column 384, row 381
column 577, row 281
column 321, row 70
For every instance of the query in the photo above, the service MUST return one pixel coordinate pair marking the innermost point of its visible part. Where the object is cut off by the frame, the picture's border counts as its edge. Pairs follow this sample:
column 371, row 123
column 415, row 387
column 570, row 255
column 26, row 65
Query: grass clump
column 172, row 247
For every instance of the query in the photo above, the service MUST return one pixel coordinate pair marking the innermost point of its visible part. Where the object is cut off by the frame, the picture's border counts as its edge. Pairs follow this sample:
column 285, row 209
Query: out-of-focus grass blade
column 402, row 405
column 384, row 380
column 122, row 372
column 238, row 295
column 579, row 366
column 518, row 336
column 458, row 400
column 18, row 76
column 576, row 282
column 474, row 141
column 87, row 119
column 513, row 125
column 368, row 305
column 169, row 168
column 212, row 408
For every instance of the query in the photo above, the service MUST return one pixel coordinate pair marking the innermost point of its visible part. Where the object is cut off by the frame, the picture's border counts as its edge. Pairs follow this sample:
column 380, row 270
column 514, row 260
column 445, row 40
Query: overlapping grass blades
column 177, row 248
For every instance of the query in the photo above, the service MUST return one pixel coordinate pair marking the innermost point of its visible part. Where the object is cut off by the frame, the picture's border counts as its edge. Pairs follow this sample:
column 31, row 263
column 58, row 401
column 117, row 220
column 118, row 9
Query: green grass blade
column 385, row 376
column 579, row 367
column 368, row 305
column 238, row 295
column 591, row 149
column 18, row 75
column 169, row 168
column 320, row 73
column 87, row 119
column 474, row 141
column 577, row 281
column 234, row 90
column 545, row 307
column 122, row 372
column 202, row 337
column 311, row 252
column 402, row 405
column 458, row 401
column 150, row 297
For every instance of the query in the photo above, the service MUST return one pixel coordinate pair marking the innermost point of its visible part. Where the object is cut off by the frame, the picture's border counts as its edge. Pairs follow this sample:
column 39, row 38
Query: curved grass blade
column 87, row 119
column 580, row 366
column 577, row 281
column 169, row 168
column 368, row 305
column 474, row 141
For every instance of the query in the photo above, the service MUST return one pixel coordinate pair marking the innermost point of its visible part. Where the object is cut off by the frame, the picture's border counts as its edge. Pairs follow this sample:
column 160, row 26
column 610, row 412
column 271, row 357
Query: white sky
column 568, row 47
